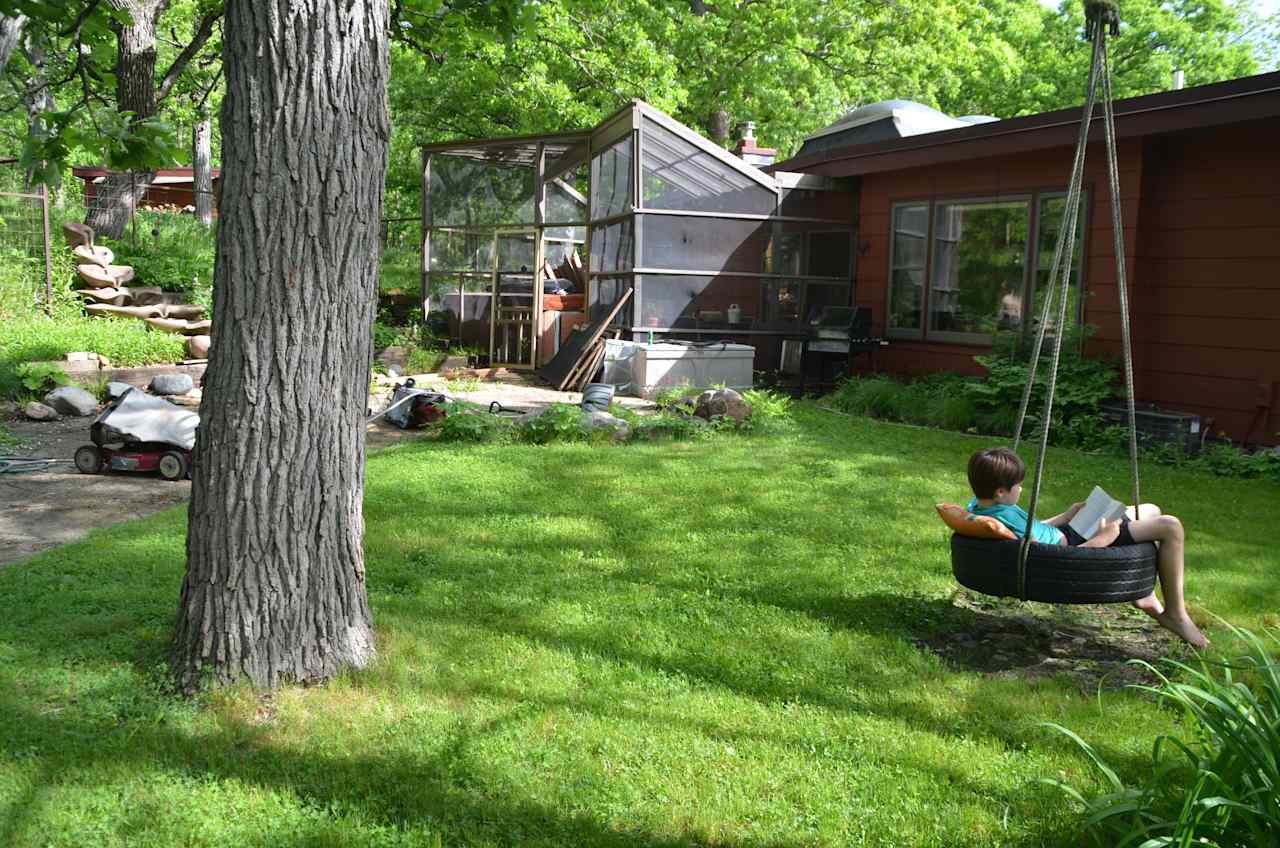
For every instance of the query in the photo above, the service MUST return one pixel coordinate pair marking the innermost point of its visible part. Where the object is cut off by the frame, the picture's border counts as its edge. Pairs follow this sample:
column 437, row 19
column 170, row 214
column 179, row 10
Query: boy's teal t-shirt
column 1015, row 518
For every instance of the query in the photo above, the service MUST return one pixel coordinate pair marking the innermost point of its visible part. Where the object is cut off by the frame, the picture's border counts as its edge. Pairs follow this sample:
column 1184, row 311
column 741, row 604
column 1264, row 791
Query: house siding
column 1201, row 215
column 1210, row 253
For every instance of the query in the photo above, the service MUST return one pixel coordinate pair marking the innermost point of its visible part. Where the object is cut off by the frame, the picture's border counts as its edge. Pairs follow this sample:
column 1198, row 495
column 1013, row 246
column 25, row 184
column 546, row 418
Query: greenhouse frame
column 711, row 247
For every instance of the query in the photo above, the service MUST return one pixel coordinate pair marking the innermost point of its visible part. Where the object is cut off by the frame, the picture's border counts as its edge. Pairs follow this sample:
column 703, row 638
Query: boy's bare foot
column 1183, row 628
column 1150, row 605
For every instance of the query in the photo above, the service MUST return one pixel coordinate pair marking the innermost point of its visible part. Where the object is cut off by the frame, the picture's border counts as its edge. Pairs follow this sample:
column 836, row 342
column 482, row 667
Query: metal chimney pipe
column 1179, row 80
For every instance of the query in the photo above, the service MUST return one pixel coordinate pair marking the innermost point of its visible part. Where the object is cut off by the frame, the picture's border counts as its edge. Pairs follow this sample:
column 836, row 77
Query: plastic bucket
column 597, row 396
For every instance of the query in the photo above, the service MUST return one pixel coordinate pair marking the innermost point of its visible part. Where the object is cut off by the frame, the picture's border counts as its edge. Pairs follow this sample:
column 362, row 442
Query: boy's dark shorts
column 1075, row 540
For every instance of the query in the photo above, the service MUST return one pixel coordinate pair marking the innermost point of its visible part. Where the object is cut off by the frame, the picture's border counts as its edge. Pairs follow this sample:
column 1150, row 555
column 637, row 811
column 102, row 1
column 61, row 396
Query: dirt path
column 42, row 510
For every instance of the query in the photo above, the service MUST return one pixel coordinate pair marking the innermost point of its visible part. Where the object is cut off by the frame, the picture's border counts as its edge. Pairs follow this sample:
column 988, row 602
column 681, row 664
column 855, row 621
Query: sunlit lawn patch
column 670, row 643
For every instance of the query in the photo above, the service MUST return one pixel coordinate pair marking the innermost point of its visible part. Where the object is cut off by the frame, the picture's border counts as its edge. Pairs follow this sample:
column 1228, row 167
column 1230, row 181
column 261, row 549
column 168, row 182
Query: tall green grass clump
column 171, row 250
column 1220, row 785
column 125, row 343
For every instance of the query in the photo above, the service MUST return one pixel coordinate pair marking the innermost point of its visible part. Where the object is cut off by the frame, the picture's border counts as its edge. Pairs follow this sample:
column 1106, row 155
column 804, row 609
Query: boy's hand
column 1108, row 532
column 1074, row 509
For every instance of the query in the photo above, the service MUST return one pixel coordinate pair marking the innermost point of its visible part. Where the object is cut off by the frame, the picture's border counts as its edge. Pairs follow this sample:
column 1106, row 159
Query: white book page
column 1099, row 505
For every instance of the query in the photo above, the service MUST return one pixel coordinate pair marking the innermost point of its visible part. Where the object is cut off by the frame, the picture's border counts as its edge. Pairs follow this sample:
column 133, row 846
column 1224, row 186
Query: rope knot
column 1101, row 13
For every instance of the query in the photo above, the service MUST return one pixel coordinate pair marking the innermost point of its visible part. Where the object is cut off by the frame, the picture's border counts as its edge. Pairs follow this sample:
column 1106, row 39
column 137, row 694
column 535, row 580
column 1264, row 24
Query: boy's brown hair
column 995, row 468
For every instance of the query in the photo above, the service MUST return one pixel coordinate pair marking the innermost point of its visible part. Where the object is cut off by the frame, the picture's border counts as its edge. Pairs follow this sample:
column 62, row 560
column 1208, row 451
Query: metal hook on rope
column 1102, row 18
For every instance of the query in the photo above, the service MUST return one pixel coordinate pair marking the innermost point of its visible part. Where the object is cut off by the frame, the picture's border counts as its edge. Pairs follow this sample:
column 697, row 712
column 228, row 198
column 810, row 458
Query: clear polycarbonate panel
column 817, row 203
column 468, row 192
column 676, row 173
column 516, row 252
column 460, row 250
column 567, row 198
column 612, row 247
column 818, row 296
column 611, row 180
column 605, row 292
column 830, row 253
column 703, row 244
column 689, row 302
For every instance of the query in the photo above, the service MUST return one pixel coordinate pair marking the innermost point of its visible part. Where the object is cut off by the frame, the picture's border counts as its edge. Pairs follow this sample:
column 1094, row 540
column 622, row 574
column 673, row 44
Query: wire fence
column 25, row 276
column 163, row 193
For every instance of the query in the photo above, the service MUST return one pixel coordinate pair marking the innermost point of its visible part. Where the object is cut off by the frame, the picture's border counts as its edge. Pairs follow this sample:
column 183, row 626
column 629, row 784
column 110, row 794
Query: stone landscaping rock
column 114, row 389
column 37, row 411
column 198, row 347
column 598, row 420
column 72, row 400
column 722, row 403
column 171, row 384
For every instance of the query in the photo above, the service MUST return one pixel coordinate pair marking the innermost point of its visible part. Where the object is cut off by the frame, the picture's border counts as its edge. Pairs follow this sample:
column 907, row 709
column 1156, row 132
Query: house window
column 1050, row 224
column 979, row 266
column 977, row 256
column 907, row 266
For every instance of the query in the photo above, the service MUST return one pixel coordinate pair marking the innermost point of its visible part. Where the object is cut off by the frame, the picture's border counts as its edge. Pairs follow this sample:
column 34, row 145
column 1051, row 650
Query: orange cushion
column 966, row 523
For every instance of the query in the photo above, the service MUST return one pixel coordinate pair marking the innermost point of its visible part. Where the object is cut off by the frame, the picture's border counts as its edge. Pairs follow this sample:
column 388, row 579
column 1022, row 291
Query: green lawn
column 702, row 643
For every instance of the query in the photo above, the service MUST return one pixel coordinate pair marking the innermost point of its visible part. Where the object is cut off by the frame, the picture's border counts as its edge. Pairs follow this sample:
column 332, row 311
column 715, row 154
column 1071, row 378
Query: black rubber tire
column 173, row 466
column 88, row 459
column 1056, row 574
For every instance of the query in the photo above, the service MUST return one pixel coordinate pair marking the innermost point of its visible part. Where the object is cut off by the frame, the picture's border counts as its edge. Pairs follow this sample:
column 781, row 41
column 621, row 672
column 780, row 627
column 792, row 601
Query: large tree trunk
column 118, row 195
column 201, row 170
column 275, row 583
column 10, row 33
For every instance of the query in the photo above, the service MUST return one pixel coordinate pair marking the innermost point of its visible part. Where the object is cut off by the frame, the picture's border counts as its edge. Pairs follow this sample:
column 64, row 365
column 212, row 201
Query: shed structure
column 712, row 247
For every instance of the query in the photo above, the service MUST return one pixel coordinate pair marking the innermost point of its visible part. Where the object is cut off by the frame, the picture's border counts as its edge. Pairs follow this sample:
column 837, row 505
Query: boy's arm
column 1062, row 518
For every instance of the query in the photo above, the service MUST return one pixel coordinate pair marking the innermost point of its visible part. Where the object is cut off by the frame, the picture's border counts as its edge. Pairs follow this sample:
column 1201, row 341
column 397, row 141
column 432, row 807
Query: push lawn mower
column 140, row 432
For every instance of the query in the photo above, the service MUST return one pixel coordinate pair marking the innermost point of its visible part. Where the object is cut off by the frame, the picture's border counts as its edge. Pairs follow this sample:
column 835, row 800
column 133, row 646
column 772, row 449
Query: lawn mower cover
column 136, row 416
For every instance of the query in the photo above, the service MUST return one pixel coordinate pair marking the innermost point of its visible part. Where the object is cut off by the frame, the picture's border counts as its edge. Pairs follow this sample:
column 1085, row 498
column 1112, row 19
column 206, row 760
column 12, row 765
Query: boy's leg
column 1146, row 510
column 1150, row 604
column 1167, row 530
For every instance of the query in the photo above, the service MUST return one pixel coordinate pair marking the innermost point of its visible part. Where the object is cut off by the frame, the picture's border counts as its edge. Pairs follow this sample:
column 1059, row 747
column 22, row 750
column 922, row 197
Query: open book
column 1100, row 505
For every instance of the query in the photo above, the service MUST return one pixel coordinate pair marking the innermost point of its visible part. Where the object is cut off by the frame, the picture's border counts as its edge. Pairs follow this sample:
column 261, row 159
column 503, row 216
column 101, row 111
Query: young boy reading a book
column 996, row 475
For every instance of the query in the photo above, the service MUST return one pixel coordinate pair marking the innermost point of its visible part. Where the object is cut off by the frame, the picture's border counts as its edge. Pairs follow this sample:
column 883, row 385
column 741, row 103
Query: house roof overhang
column 1249, row 98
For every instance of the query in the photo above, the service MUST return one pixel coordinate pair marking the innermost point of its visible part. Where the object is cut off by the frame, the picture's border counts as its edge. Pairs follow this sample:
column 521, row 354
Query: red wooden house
column 955, row 229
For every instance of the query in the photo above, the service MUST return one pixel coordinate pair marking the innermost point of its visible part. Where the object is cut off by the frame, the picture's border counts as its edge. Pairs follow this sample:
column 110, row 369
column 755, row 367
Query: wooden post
column 425, row 292
column 48, row 253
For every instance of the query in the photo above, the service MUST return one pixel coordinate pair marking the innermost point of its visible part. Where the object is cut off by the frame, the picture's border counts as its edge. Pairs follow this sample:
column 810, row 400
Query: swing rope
column 1101, row 19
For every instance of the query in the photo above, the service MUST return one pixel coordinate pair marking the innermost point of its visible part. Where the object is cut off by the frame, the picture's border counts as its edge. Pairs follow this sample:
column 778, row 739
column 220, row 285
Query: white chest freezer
column 662, row 365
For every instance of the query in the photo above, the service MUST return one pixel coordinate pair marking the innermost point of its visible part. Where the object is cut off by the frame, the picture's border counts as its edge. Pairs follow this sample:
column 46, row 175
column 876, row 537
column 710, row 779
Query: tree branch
column 74, row 29
column 179, row 64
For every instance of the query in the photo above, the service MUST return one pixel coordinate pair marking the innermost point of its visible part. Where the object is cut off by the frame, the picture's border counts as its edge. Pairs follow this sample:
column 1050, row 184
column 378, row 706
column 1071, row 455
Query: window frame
column 1033, row 198
column 916, row 333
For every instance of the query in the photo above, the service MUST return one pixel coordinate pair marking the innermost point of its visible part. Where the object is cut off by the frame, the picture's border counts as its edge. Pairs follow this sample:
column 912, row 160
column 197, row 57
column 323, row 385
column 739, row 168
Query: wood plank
column 575, row 348
column 1195, row 301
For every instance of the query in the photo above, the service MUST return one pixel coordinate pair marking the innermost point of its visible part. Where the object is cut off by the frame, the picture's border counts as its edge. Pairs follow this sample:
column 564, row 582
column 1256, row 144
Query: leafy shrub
column 1082, row 382
column 1219, row 787
column 559, row 422
column 670, row 424
column 40, row 377
column 677, row 398
column 467, row 423
column 770, row 411
column 171, row 250
column 384, row 335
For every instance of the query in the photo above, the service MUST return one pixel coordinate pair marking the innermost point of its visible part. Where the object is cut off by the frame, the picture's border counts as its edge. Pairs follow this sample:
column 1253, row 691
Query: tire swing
column 1055, row 573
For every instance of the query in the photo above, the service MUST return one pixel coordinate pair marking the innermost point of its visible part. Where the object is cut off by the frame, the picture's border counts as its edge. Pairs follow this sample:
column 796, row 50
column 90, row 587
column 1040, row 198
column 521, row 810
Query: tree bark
column 39, row 99
column 201, row 169
column 275, row 584
column 10, row 33
column 118, row 195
